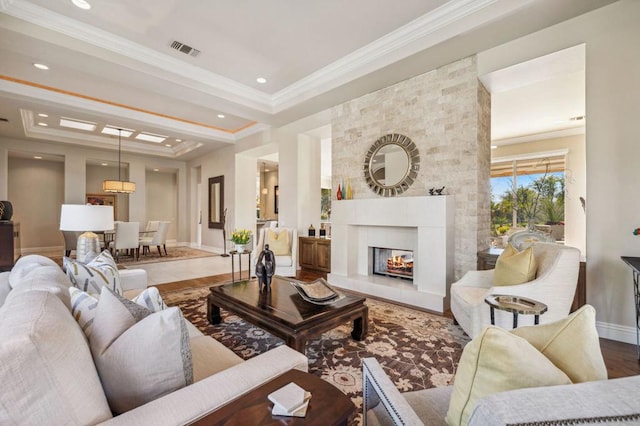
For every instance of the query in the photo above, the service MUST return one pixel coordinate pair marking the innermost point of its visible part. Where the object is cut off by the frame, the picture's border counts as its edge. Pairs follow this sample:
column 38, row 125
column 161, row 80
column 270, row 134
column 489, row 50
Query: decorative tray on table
column 318, row 291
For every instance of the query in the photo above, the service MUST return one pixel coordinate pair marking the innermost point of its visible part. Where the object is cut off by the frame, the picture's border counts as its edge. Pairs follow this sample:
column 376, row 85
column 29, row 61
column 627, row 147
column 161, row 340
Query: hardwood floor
column 621, row 358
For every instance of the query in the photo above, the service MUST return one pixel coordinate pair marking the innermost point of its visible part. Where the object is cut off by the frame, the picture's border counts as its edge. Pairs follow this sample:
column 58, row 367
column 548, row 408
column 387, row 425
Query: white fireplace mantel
column 421, row 224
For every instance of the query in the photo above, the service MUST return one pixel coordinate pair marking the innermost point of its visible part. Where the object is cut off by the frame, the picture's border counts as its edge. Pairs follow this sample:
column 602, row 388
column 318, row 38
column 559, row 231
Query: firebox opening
column 393, row 263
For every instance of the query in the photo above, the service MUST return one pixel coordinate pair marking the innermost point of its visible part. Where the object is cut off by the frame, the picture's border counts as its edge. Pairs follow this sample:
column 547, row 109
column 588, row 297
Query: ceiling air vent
column 181, row 47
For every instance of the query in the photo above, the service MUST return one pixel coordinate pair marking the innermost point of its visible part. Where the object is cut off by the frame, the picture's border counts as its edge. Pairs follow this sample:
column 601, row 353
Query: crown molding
column 31, row 92
column 572, row 131
column 93, row 141
column 169, row 67
column 451, row 19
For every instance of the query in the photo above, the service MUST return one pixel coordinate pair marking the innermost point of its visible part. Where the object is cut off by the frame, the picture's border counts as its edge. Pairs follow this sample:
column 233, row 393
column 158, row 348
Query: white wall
column 161, row 200
column 611, row 36
column 37, row 210
column 78, row 180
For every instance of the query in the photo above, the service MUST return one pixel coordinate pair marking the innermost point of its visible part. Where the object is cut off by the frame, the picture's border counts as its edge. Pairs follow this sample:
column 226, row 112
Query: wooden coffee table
column 327, row 406
column 283, row 313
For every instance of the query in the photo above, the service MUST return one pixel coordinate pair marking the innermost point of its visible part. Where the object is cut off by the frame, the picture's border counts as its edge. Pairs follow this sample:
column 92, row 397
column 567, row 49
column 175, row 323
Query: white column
column 75, row 179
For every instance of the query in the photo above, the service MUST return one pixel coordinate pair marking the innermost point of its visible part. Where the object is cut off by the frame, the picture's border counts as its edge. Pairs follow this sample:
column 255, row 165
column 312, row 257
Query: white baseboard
column 217, row 250
column 620, row 333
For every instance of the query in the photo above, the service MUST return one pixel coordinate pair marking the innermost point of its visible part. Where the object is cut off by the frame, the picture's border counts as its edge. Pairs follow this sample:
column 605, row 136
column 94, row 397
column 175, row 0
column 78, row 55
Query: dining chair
column 126, row 238
column 159, row 238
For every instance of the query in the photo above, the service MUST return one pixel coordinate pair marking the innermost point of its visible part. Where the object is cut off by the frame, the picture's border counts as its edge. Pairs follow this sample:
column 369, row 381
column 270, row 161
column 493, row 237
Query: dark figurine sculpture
column 265, row 268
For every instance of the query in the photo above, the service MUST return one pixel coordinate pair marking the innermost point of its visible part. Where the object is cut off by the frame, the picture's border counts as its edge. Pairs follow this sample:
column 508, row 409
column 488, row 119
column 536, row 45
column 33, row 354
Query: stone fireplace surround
column 422, row 224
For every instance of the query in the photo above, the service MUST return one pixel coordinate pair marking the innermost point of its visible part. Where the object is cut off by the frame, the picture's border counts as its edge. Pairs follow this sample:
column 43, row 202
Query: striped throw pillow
column 102, row 271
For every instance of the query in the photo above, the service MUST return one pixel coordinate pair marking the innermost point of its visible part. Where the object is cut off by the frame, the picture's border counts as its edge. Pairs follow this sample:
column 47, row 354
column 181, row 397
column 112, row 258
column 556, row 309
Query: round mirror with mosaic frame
column 391, row 165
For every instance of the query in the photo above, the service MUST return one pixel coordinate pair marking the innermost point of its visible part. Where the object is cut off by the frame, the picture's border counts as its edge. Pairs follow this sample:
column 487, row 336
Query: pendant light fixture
column 119, row 186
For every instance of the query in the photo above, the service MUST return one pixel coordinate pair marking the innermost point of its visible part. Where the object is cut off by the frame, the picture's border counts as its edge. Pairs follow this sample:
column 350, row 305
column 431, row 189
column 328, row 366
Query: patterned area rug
column 173, row 253
column 416, row 349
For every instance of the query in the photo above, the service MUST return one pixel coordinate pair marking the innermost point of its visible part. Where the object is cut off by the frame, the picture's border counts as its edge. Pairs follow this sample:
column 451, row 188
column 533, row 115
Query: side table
column 516, row 305
column 327, row 406
column 233, row 254
column 634, row 264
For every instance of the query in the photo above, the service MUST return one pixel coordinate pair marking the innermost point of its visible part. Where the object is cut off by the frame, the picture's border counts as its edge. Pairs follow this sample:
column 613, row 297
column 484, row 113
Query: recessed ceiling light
column 494, row 146
column 156, row 170
column 41, row 66
column 261, row 80
column 42, row 124
column 178, row 140
column 113, row 130
column 167, row 145
column 150, row 137
column 42, row 115
column 37, row 157
column 267, row 170
column 220, row 115
column 103, row 164
column 82, row 4
column 77, row 124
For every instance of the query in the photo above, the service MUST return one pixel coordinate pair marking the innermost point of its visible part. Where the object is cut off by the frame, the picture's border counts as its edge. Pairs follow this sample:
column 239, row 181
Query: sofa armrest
column 201, row 398
column 598, row 402
column 382, row 398
column 133, row 279
column 482, row 279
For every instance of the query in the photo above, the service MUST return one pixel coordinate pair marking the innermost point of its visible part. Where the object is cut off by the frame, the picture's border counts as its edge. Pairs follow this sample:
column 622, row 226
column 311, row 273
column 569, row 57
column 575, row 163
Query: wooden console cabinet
column 487, row 260
column 315, row 253
column 9, row 244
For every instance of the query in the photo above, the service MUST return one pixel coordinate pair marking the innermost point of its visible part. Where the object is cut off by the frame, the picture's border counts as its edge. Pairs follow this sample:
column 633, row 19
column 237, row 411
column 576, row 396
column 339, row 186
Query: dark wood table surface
column 284, row 313
column 327, row 406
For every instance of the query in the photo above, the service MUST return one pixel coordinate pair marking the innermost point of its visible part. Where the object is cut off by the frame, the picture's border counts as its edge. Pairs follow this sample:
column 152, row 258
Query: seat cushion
column 563, row 340
column 497, row 361
column 513, row 267
column 140, row 356
column 47, row 373
column 210, row 357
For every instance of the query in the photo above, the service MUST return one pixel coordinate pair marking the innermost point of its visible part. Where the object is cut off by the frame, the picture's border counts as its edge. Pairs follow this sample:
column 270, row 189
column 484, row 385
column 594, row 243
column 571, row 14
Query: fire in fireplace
column 393, row 263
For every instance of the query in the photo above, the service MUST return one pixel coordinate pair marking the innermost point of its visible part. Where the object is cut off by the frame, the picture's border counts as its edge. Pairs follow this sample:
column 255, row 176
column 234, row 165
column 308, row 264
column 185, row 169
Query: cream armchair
column 555, row 285
column 286, row 264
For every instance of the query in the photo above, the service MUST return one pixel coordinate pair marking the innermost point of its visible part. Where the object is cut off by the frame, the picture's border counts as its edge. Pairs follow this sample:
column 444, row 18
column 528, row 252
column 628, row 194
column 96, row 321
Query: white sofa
column 555, row 285
column 48, row 375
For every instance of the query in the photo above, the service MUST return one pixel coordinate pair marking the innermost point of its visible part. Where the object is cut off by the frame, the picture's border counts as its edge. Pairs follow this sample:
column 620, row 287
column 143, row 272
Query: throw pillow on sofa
column 140, row 356
column 514, row 267
column 572, row 344
column 83, row 305
column 102, row 271
column 278, row 242
column 497, row 361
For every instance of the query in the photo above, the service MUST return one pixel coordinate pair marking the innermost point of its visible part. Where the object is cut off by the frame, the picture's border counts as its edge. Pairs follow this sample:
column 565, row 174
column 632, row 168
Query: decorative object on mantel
column 265, row 268
column 240, row 237
column 391, row 165
column 349, row 191
column 339, row 193
column 6, row 210
column 636, row 231
column 119, row 186
column 312, row 231
column 436, row 191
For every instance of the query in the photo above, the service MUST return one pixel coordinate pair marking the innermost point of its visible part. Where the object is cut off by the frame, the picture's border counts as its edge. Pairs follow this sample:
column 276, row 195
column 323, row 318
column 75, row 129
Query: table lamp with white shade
column 86, row 218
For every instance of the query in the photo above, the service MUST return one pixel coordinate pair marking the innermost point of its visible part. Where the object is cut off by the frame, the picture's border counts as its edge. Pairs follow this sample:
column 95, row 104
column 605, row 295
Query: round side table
column 516, row 305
